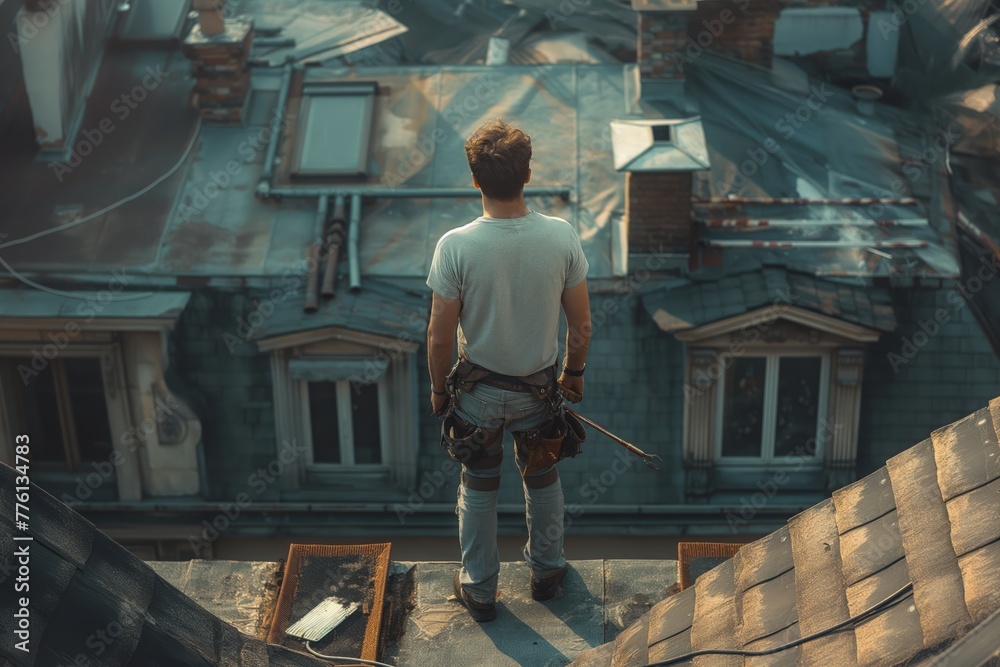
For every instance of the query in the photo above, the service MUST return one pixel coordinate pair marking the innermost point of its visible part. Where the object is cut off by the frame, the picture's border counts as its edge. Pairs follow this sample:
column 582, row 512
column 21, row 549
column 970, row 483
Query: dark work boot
column 545, row 589
column 481, row 612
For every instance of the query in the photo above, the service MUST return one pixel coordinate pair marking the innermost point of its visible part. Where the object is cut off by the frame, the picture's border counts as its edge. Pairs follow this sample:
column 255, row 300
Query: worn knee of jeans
column 547, row 496
column 477, row 502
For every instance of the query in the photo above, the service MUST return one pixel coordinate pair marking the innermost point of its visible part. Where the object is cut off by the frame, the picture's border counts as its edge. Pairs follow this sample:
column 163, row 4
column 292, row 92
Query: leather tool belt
column 558, row 436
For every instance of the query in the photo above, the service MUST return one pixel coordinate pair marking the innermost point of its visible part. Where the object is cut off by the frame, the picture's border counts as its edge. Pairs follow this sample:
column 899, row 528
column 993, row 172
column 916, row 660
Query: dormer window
column 662, row 134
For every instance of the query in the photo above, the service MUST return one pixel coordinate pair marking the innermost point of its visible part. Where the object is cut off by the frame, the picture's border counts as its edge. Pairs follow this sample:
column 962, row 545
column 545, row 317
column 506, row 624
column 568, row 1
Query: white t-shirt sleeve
column 577, row 265
column 443, row 277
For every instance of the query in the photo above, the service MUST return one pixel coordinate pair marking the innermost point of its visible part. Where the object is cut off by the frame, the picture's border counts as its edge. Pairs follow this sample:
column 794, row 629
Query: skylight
column 333, row 135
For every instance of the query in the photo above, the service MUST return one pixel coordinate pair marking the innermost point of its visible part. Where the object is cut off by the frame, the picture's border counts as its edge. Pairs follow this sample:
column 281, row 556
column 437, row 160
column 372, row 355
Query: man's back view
column 500, row 280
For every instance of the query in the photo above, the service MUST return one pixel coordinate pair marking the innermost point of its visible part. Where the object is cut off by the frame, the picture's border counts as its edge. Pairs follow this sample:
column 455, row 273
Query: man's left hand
column 438, row 403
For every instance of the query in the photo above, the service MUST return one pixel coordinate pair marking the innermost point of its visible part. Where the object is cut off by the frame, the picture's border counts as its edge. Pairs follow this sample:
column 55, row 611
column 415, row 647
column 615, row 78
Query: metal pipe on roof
column 264, row 184
column 723, row 223
column 313, row 256
column 353, row 231
column 334, row 239
column 862, row 201
column 741, row 243
column 388, row 192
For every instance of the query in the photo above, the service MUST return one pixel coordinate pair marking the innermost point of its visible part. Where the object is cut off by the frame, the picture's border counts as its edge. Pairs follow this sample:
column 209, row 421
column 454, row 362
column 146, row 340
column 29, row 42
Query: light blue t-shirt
column 510, row 274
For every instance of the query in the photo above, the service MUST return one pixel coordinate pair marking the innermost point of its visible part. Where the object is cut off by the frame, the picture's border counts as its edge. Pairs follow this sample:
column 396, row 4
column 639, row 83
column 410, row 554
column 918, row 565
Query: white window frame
column 345, row 423
column 398, row 409
column 771, row 374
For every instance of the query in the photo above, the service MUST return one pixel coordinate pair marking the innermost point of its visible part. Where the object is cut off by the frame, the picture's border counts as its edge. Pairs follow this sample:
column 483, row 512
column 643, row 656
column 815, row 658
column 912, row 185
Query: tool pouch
column 469, row 444
column 576, row 434
column 539, row 448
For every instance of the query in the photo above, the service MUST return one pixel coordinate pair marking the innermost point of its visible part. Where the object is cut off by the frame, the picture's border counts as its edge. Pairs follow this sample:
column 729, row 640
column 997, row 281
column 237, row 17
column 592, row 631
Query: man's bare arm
column 441, row 332
column 576, row 303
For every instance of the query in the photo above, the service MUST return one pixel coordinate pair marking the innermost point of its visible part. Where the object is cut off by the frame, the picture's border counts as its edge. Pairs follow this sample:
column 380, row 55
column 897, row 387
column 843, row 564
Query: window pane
column 743, row 407
column 798, row 406
column 325, row 425
column 90, row 409
column 364, row 415
column 32, row 407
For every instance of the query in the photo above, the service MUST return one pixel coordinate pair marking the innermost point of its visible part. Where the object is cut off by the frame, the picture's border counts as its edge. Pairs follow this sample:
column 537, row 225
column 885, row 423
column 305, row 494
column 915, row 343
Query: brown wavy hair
column 498, row 155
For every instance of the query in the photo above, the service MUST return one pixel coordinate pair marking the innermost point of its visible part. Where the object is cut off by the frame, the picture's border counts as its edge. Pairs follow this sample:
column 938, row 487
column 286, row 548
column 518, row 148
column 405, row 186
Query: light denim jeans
column 491, row 407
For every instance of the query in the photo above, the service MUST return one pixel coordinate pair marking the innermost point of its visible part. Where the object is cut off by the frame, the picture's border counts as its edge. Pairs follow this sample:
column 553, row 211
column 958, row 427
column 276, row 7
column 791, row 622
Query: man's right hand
column 572, row 387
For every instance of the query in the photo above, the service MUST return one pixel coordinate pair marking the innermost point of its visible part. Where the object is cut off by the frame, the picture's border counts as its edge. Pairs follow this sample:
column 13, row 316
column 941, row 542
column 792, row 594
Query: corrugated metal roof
column 923, row 528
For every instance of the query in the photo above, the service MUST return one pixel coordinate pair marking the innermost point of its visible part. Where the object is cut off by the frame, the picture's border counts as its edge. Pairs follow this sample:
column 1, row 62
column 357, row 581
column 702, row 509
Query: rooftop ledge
column 599, row 599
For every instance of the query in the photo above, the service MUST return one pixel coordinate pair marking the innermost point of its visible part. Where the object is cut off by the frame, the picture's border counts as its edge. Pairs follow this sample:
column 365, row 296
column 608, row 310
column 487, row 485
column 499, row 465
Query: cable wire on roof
column 350, row 662
column 871, row 611
column 88, row 218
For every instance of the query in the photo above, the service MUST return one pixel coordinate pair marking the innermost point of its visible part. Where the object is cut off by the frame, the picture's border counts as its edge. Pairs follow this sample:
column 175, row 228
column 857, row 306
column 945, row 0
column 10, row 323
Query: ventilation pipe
column 353, row 230
column 333, row 242
column 313, row 256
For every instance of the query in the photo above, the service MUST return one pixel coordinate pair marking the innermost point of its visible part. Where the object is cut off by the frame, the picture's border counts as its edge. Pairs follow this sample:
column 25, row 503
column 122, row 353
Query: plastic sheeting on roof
column 321, row 30
column 811, row 140
column 945, row 46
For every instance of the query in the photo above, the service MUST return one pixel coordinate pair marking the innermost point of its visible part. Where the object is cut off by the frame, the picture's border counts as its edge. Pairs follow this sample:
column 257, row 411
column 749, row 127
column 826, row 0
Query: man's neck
column 515, row 208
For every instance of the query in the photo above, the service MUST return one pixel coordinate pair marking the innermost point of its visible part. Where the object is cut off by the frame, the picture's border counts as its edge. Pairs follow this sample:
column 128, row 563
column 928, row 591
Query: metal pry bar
column 648, row 459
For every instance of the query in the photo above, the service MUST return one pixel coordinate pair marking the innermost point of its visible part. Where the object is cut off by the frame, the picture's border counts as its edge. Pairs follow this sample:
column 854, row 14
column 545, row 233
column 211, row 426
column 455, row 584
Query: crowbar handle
column 648, row 459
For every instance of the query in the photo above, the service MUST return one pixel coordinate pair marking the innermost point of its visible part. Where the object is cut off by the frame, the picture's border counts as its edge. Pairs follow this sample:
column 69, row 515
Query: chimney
column 219, row 49
column 658, row 212
column 675, row 32
column 60, row 46
column 662, row 38
column 659, row 157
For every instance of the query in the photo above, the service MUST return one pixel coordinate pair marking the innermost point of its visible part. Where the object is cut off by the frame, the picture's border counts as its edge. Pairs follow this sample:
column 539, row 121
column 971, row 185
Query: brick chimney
column 675, row 32
column 218, row 49
column 658, row 212
column 659, row 158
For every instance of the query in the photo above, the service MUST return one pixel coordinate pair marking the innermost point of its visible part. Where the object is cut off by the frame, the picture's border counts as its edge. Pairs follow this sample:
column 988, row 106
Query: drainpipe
column 333, row 241
column 264, row 185
column 313, row 256
column 353, row 230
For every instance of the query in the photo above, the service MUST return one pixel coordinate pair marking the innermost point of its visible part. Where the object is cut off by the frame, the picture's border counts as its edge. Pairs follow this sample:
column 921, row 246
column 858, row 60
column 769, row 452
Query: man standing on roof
column 500, row 280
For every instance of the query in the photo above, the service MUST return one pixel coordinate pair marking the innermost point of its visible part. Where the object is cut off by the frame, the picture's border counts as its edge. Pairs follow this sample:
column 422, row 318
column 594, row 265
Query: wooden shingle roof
column 926, row 526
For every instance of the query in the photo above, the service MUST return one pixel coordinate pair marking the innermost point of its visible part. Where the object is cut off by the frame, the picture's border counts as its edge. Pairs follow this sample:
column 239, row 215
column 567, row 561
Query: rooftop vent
column 662, row 134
